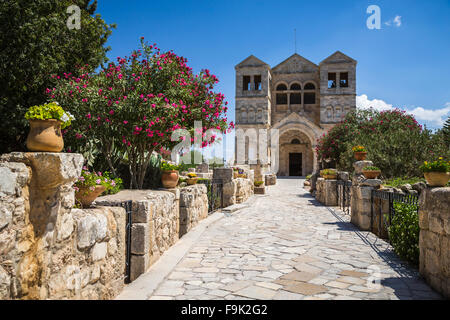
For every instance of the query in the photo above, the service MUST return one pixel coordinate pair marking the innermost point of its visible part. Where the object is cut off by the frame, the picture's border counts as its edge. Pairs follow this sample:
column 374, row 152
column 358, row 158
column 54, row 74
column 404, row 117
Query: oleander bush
column 393, row 139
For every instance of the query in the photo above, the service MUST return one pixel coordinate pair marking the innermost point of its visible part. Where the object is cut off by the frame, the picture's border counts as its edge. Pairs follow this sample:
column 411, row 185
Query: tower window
column 296, row 86
column 246, row 83
column 257, row 83
column 343, row 80
column 331, row 80
column 281, row 87
column 310, row 98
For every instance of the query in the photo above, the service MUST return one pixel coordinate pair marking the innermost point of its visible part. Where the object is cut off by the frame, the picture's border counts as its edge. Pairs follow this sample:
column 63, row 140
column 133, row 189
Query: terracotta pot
column 437, row 179
column 45, row 135
column 372, row 174
column 235, row 174
column 360, row 156
column 191, row 181
column 330, row 176
column 85, row 196
column 169, row 179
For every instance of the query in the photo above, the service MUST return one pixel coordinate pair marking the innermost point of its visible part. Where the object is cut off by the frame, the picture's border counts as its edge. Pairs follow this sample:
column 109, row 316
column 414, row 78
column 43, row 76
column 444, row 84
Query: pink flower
column 98, row 181
column 125, row 122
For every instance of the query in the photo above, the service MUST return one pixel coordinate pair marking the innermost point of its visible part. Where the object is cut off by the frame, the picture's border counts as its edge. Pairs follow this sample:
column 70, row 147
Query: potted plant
column 371, row 172
column 235, row 173
column 90, row 185
column 258, row 183
column 359, row 152
column 329, row 174
column 169, row 177
column 46, row 122
column 437, row 172
column 192, row 178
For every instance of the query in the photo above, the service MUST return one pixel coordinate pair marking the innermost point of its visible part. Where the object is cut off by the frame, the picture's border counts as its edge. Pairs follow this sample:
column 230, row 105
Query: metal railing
column 215, row 193
column 343, row 190
column 388, row 198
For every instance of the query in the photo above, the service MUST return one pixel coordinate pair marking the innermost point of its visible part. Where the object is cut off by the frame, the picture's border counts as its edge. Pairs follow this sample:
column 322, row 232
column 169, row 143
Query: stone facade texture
column 434, row 240
column 294, row 97
column 193, row 206
column 326, row 192
column 48, row 250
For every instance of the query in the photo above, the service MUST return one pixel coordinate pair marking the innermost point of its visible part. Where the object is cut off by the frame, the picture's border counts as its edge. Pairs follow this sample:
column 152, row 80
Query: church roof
column 251, row 61
column 295, row 56
column 338, row 57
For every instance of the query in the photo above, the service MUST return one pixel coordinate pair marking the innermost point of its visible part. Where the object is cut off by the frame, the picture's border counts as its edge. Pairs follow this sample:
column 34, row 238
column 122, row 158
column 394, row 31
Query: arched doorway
column 296, row 153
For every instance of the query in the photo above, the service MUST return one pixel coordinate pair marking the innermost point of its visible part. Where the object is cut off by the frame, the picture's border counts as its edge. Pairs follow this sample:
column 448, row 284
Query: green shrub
column 404, row 232
column 396, row 182
column 371, row 168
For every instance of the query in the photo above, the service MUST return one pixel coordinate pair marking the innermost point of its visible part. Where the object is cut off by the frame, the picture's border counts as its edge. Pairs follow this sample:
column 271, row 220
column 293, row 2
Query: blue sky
column 404, row 64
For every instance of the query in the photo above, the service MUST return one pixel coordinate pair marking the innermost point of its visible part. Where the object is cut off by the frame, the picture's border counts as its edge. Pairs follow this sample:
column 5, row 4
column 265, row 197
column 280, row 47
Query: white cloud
column 397, row 21
column 435, row 118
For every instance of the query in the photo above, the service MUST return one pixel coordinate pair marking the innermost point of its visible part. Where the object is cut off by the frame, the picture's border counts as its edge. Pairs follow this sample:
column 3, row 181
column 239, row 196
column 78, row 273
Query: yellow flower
column 426, row 162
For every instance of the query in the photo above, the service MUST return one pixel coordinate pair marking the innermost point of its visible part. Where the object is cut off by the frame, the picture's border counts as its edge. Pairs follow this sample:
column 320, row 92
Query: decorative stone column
column 361, row 203
column 434, row 239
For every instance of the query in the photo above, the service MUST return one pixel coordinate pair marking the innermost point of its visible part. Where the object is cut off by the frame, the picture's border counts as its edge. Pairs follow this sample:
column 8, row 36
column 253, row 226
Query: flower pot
column 235, row 174
column 330, row 176
column 437, row 179
column 45, row 135
column 372, row 174
column 169, row 179
column 86, row 196
column 191, row 181
column 360, row 155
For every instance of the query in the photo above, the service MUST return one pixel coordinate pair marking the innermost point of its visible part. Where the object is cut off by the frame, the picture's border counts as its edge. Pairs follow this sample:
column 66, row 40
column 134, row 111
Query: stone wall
column 48, row 250
column 235, row 190
column 193, row 206
column 155, row 224
column 434, row 241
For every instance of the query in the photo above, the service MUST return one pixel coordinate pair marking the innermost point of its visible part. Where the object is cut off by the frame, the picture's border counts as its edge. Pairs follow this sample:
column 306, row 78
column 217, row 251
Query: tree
column 446, row 132
column 131, row 108
column 395, row 142
column 36, row 42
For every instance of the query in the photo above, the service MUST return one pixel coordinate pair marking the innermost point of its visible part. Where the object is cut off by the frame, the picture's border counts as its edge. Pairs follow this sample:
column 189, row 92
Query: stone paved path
column 285, row 245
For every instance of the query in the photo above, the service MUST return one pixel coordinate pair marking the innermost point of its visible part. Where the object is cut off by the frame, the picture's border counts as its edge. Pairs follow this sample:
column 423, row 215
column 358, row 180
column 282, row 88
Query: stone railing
column 48, row 250
column 434, row 240
column 159, row 219
column 234, row 190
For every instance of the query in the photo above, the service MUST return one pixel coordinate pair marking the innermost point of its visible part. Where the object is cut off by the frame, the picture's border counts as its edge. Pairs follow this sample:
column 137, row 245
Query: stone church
column 301, row 99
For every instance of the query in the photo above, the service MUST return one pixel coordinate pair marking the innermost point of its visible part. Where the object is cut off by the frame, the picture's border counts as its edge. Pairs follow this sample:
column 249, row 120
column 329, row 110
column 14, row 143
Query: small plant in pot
column 360, row 152
column 436, row 172
column 258, row 183
column 170, row 175
column 46, row 122
column 329, row 174
column 371, row 172
column 90, row 185
column 192, row 178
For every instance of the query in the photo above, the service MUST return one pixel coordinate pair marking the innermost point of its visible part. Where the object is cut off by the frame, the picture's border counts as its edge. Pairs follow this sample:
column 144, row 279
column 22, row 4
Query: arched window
column 295, row 141
column 310, row 93
column 296, row 97
column 281, row 87
column 281, row 97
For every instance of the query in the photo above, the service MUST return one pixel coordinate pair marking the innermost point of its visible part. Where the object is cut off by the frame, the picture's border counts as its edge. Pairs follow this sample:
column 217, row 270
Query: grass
column 396, row 182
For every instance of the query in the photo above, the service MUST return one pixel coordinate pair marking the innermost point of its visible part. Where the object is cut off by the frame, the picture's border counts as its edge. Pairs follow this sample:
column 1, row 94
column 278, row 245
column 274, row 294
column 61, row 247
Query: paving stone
column 269, row 285
column 354, row 274
column 236, row 286
column 337, row 284
column 305, row 288
column 256, row 292
column 299, row 276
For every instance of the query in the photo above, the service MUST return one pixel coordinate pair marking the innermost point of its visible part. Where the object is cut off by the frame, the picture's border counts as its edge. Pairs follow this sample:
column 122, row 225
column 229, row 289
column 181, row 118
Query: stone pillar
column 326, row 191
column 434, row 239
column 229, row 185
column 361, row 204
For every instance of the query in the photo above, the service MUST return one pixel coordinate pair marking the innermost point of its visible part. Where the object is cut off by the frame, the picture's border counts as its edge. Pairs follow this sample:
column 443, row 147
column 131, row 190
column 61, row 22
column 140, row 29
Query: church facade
column 301, row 99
